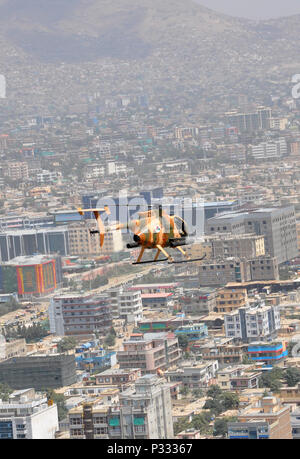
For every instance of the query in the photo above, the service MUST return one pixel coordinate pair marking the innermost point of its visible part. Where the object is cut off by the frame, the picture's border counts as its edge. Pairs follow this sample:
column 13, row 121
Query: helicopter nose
column 136, row 238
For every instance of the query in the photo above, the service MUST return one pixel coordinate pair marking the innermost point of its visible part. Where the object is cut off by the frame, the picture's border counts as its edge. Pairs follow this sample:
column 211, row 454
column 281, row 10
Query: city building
column 198, row 301
column 31, row 276
column 126, row 304
column 193, row 331
column 277, row 225
column 229, row 299
column 40, row 371
column 223, row 350
column 149, row 352
column 83, row 243
column 236, row 378
column 80, row 314
column 269, row 353
column 28, row 415
column 268, row 419
column 237, row 246
column 194, row 375
column 118, row 377
column 144, row 411
column 29, row 242
column 254, row 322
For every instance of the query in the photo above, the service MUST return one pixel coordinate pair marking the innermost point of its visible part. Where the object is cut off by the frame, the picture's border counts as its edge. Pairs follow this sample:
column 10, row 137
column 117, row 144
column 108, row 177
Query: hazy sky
column 254, row 9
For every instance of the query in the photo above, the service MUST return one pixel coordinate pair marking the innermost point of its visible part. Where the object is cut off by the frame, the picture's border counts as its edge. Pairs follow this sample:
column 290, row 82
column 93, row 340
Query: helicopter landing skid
column 149, row 261
column 186, row 261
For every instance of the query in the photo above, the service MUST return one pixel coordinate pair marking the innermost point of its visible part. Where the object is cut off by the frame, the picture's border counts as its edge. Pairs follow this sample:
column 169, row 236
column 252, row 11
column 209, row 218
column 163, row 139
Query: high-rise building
column 251, row 323
column 277, row 225
column 144, row 411
column 79, row 314
column 248, row 122
column 28, row 415
column 126, row 304
column 29, row 242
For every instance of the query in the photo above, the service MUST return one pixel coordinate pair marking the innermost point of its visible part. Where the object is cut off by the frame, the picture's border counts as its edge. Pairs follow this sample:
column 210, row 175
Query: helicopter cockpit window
column 181, row 225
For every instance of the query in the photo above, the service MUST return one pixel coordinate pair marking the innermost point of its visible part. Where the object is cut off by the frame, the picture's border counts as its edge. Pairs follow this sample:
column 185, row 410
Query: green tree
column 66, row 344
column 214, row 391
column 59, row 400
column 184, row 391
column 214, row 405
column 5, row 391
column 272, row 379
column 221, row 426
column 181, row 425
column 183, row 341
column 230, row 400
column 292, row 376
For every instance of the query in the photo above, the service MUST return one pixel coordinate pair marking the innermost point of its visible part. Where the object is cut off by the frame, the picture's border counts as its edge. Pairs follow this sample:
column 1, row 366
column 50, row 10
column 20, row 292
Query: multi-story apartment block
column 149, row 352
column 269, row 353
column 82, row 242
column 118, row 377
column 17, row 170
column 198, row 301
column 221, row 272
column 126, row 304
column 194, row 375
column 28, row 415
column 236, row 378
column 267, row 419
column 193, row 331
column 251, row 323
column 223, row 350
column 230, row 299
column 269, row 150
column 79, row 314
column 237, row 246
column 144, row 411
column 264, row 268
column 277, row 225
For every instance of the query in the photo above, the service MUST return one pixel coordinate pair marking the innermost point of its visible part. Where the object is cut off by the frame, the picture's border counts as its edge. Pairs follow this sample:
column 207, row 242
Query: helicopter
column 154, row 229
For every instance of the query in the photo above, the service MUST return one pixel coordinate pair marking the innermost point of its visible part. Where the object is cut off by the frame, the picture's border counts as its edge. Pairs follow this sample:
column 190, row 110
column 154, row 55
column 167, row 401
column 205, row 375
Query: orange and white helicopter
column 154, row 229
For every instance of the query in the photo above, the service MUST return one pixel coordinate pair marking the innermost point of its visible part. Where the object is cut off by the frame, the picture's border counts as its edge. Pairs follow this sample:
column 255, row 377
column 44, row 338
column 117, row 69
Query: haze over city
column 149, row 222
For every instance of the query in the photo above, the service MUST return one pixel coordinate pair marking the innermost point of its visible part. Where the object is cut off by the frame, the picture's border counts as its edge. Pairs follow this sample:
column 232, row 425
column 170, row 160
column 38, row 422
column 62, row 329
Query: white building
column 253, row 322
column 27, row 415
column 265, row 150
column 126, row 304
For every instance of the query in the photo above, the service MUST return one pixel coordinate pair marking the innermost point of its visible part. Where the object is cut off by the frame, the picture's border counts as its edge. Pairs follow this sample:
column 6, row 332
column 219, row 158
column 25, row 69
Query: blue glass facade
column 6, row 430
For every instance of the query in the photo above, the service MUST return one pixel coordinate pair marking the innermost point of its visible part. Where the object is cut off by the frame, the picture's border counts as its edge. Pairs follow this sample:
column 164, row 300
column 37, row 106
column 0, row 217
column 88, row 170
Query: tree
column 201, row 422
column 180, row 425
column 221, row 426
column 66, row 344
column 272, row 379
column 214, row 405
column 59, row 400
column 214, row 391
column 230, row 400
column 5, row 391
column 292, row 376
column 183, row 341
column 184, row 391
column 110, row 340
